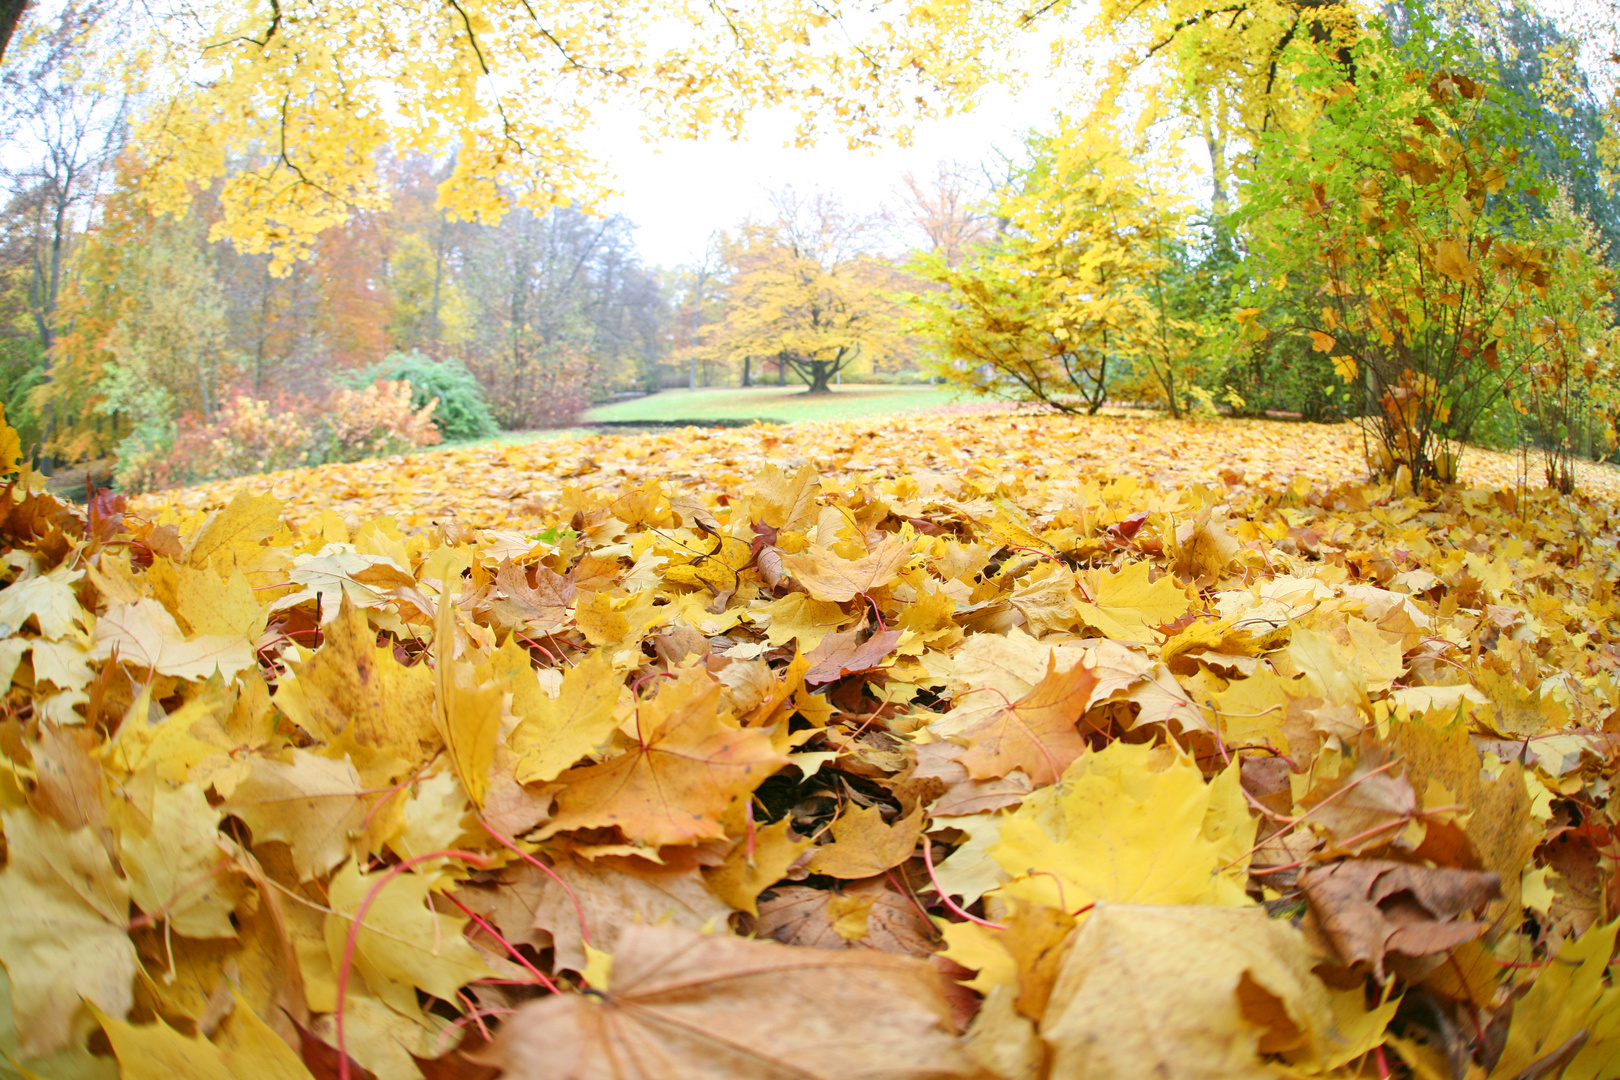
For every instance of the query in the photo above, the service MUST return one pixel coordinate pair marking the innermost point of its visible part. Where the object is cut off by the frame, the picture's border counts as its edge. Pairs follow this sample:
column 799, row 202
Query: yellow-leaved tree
column 301, row 97
column 1080, row 293
column 805, row 291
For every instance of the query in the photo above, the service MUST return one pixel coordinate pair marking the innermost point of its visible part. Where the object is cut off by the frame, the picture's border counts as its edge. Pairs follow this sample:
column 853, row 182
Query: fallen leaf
column 64, row 940
column 831, row 577
column 673, row 786
column 1036, row 733
column 890, row 922
column 864, row 844
column 841, row 654
column 1132, row 1000
column 543, row 606
column 1369, row 908
column 403, row 944
column 1127, row 607
column 313, row 804
column 689, row 1007
column 353, row 685
column 559, row 731
column 145, row 633
column 756, row 864
column 614, row 894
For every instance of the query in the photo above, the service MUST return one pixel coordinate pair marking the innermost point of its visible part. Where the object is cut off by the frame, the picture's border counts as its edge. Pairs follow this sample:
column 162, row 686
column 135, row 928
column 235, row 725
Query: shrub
column 380, row 419
column 255, row 436
column 248, row 437
column 1438, row 294
column 462, row 412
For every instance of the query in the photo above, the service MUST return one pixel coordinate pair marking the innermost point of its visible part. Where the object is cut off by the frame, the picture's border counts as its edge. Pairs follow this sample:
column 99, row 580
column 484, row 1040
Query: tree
column 426, row 259
column 307, row 94
column 1222, row 70
column 62, row 124
column 805, row 291
column 1411, row 207
column 148, row 341
column 1080, row 291
column 948, row 213
column 562, row 311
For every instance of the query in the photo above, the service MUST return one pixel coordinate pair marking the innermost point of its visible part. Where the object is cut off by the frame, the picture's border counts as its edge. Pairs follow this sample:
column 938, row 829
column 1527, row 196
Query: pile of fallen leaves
column 521, row 485
column 994, row 769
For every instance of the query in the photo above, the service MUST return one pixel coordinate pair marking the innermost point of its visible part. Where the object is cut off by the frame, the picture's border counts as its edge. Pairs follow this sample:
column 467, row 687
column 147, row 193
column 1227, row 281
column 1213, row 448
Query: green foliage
column 1404, row 207
column 22, row 371
column 462, row 411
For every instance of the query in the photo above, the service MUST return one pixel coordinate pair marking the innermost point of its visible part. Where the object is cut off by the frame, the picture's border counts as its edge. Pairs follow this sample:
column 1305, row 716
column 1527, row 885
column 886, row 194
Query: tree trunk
column 747, row 363
column 821, row 373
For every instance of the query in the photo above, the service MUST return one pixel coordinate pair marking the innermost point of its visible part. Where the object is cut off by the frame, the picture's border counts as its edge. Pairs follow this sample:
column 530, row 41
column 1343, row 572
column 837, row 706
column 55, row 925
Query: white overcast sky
column 679, row 191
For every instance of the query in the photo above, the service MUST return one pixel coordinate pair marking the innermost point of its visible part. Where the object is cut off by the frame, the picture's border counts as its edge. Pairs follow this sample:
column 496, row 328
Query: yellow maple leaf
column 353, row 685
column 1131, row 1000
column 468, row 715
column 1568, row 998
column 827, row 576
column 561, row 730
column 1126, row 825
column 1126, row 606
column 403, row 944
column 64, row 939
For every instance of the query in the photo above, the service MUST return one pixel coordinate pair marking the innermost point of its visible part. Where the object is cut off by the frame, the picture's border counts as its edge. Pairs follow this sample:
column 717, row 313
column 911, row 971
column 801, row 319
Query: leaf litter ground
column 961, row 746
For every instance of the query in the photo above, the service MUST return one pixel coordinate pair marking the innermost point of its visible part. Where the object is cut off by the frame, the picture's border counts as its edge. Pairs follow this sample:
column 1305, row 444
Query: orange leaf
column 838, row 654
column 827, row 576
column 864, row 845
column 673, row 787
column 1037, row 732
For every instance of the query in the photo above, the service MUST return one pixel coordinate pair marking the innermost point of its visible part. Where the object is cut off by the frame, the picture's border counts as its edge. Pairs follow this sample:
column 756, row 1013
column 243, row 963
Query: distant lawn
column 784, row 404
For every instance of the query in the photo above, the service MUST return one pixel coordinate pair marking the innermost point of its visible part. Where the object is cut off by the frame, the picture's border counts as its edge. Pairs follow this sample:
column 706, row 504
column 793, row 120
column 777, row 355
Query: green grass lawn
column 785, row 404
column 772, row 404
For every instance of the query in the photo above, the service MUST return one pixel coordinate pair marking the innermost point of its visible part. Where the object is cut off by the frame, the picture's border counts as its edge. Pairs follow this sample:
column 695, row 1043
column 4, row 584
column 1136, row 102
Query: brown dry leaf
column 543, row 606
column 841, row 654
column 827, row 576
column 688, row 1007
column 1369, row 908
column 673, row 786
column 1363, row 809
column 864, row 844
column 1036, row 733
column 616, row 893
column 892, row 923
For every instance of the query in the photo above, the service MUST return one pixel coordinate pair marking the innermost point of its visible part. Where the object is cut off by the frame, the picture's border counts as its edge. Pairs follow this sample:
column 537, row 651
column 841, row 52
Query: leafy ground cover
column 949, row 746
column 783, row 405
